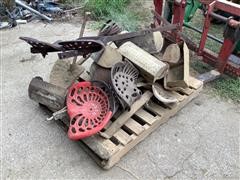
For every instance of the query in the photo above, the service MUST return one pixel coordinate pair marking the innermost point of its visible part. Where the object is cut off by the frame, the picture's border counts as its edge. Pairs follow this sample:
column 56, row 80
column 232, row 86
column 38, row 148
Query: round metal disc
column 124, row 76
column 89, row 110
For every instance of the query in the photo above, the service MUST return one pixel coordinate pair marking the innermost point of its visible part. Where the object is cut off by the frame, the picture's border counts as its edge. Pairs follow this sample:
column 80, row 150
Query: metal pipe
column 219, row 17
column 231, row 22
column 200, row 31
column 33, row 10
column 86, row 15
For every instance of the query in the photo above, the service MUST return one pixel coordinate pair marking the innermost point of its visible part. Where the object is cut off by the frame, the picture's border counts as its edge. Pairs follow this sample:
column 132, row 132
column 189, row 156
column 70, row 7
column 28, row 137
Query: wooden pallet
column 139, row 123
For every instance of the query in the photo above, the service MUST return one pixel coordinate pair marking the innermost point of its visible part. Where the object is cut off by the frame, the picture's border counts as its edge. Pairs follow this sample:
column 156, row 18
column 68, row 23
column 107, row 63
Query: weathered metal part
column 150, row 67
column 47, row 94
column 209, row 76
column 86, row 46
column 114, row 103
column 178, row 33
column 70, row 48
column 98, row 73
column 40, row 46
column 179, row 76
column 124, row 76
column 19, row 3
column 89, row 110
column 86, row 15
column 62, row 75
column 210, row 36
column 172, row 54
column 60, row 114
column 81, row 47
column 70, row 54
column 106, row 39
column 162, row 95
column 109, row 28
column 103, row 75
column 151, row 42
column 108, row 57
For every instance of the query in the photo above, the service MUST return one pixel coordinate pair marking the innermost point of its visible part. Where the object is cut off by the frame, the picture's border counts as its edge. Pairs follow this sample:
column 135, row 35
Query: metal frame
column 221, row 60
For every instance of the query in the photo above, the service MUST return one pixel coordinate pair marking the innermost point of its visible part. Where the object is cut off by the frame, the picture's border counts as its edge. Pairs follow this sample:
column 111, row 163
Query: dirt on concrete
column 200, row 142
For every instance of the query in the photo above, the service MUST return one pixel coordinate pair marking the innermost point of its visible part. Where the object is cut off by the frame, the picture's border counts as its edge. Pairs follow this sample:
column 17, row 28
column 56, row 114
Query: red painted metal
column 218, row 60
column 228, row 6
column 206, row 27
column 89, row 110
column 158, row 8
column 225, row 52
column 178, row 13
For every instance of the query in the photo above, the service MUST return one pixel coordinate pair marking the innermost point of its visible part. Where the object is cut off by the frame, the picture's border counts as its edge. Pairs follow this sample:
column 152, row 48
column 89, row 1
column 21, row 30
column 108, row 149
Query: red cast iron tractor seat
column 89, row 109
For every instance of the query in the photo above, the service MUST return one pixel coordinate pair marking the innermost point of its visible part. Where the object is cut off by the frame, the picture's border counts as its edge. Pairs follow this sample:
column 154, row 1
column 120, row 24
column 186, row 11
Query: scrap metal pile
column 15, row 12
column 124, row 66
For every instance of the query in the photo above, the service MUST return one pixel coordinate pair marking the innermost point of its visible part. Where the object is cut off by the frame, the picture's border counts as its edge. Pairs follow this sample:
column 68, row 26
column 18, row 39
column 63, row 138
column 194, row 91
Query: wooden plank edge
column 118, row 123
column 117, row 156
column 99, row 147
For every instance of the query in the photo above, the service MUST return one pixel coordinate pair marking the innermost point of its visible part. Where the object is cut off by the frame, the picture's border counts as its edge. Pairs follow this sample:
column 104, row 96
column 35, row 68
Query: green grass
column 215, row 29
column 101, row 8
column 200, row 66
column 120, row 11
column 227, row 87
column 131, row 15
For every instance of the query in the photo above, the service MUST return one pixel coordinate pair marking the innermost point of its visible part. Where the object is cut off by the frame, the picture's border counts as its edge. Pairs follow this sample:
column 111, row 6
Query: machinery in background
column 228, row 59
column 13, row 12
column 193, row 5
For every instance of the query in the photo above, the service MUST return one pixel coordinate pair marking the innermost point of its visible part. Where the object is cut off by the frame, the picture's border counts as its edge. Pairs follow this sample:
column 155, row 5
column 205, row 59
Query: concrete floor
column 201, row 141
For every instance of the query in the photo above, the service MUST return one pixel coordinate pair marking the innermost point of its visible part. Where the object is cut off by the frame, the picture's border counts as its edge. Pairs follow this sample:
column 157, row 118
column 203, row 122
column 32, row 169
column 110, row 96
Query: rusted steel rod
column 200, row 31
column 33, row 10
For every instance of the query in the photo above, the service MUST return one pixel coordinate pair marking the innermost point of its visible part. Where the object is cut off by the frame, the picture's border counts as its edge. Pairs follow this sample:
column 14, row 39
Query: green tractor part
column 191, row 8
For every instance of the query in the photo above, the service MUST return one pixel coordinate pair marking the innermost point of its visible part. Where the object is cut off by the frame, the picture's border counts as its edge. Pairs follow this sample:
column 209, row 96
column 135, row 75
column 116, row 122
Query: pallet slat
column 187, row 91
column 145, row 116
column 122, row 137
column 116, row 157
column 194, row 83
column 160, row 110
column 126, row 115
column 178, row 96
column 104, row 148
column 134, row 126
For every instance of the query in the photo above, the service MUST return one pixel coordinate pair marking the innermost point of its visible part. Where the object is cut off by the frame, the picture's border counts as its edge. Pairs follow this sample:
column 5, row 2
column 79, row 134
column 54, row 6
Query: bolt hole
column 134, row 95
column 73, row 130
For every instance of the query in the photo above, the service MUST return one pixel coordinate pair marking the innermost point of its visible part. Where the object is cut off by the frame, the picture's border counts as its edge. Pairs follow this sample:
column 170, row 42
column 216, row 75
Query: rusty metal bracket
column 109, row 28
column 106, row 39
column 86, row 45
column 80, row 47
column 69, row 48
column 40, row 46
